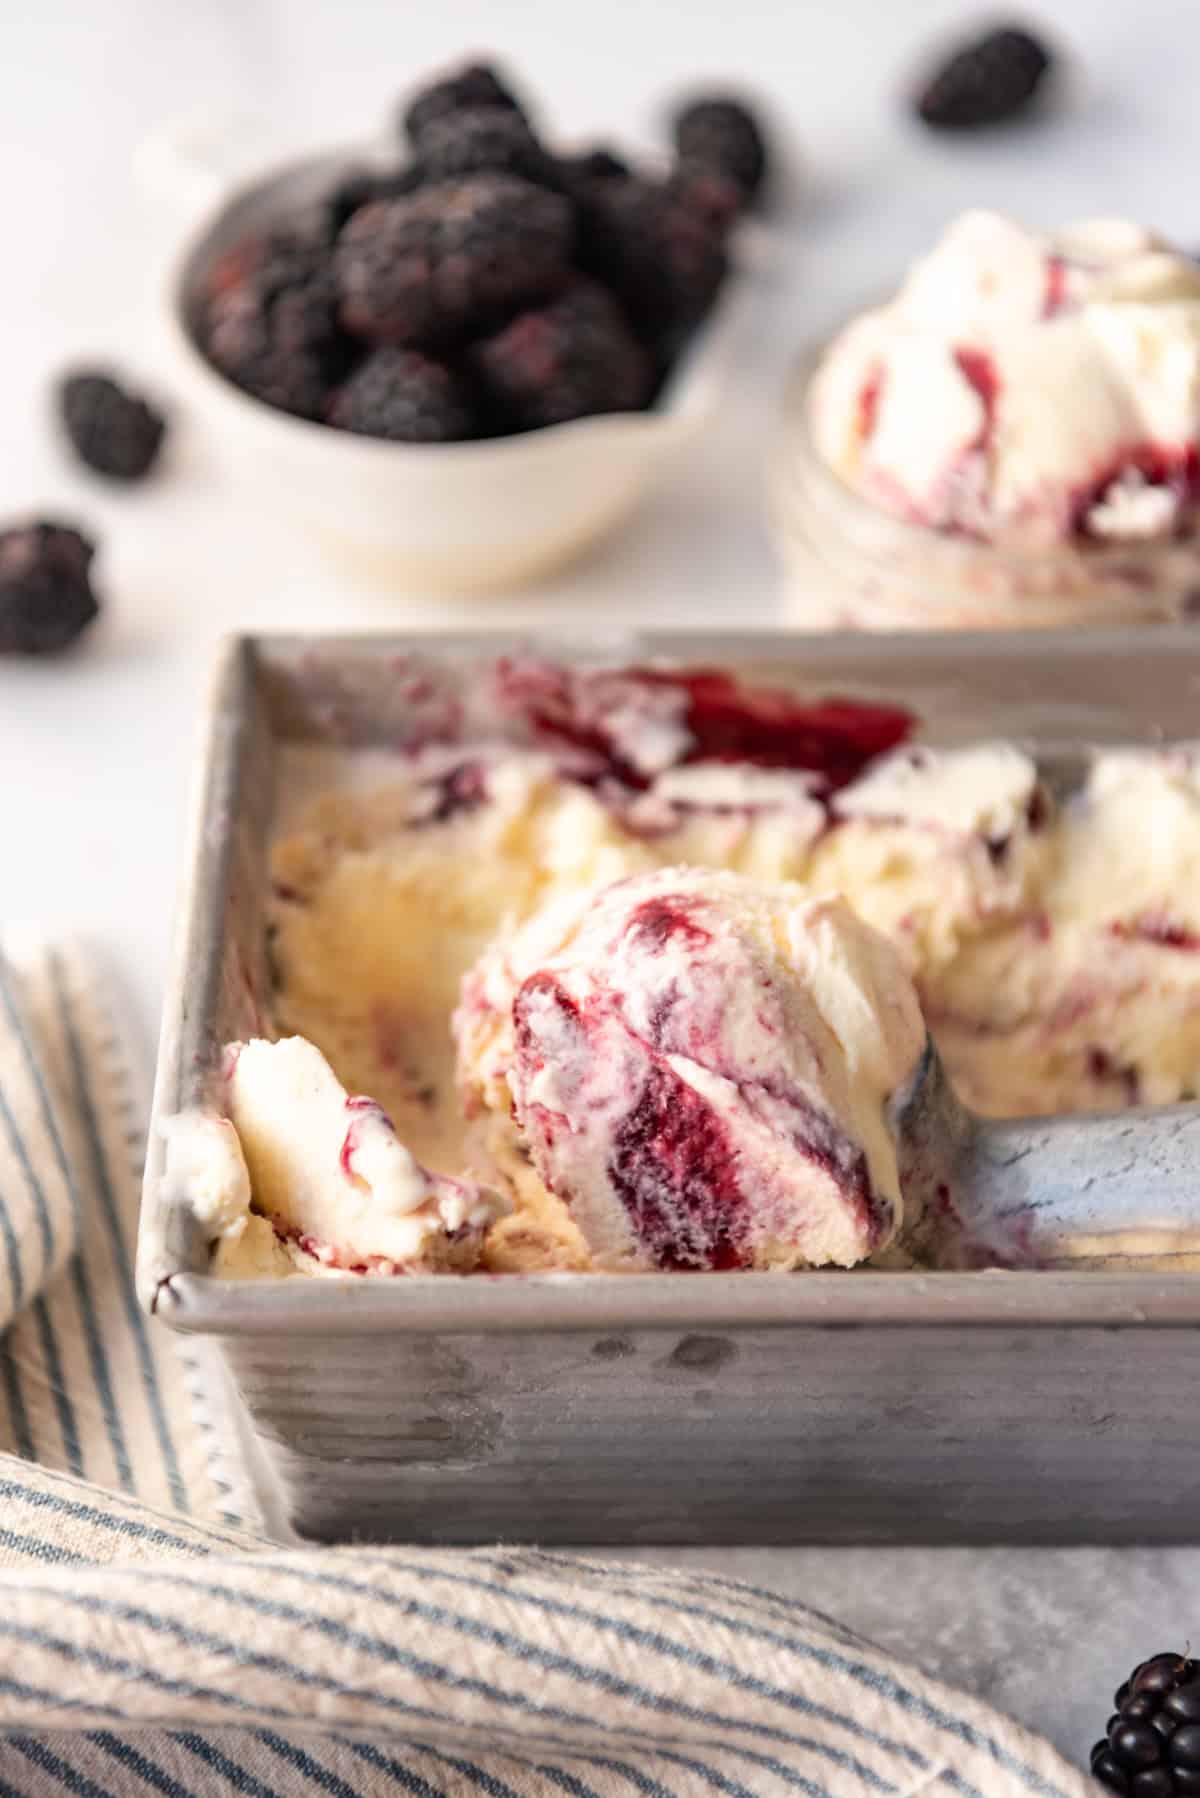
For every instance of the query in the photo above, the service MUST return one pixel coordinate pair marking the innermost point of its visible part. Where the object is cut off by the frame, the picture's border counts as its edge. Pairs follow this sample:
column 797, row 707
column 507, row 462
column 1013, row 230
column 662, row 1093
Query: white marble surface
column 95, row 751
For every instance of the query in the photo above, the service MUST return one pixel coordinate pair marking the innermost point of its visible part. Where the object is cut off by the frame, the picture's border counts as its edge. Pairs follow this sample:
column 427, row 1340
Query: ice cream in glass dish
column 1012, row 440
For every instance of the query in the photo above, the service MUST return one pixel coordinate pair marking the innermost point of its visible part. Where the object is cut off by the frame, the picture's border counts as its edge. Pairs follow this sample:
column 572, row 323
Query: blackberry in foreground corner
column 407, row 397
column 723, row 134
column 112, row 431
column 1152, row 1745
column 989, row 80
column 572, row 358
column 46, row 596
column 476, row 85
column 431, row 267
column 482, row 138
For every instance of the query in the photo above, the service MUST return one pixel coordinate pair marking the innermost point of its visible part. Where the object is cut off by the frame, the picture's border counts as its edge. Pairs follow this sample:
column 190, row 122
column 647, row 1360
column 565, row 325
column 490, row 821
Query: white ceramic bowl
column 456, row 516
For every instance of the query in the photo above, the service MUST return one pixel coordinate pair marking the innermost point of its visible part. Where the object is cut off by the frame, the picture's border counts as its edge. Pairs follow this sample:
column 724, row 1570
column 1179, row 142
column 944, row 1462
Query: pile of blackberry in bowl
column 478, row 282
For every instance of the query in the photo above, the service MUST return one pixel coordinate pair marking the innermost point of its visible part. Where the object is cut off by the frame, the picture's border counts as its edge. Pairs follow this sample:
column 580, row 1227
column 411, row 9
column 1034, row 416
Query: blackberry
column 574, row 357
column 1151, row 1748
column 479, row 139
column 46, row 596
column 585, row 179
column 271, row 324
column 446, row 260
column 661, row 253
column 112, row 431
column 597, row 164
column 407, row 397
column 360, row 186
column 988, row 80
column 703, row 189
column 723, row 134
column 241, row 343
column 476, row 85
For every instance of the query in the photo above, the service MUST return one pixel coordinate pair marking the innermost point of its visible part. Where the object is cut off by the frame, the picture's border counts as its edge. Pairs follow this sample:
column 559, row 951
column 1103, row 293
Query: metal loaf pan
column 831, row 1407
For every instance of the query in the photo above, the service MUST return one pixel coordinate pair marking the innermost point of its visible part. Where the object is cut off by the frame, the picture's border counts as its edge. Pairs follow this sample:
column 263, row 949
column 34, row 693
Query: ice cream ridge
column 1025, row 388
column 639, row 982
column 334, row 1188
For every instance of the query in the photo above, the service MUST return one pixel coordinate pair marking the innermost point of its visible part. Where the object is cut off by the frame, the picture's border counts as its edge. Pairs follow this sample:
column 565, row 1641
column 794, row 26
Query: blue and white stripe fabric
column 142, row 1653
column 87, row 1383
column 150, row 1646
column 40, row 1217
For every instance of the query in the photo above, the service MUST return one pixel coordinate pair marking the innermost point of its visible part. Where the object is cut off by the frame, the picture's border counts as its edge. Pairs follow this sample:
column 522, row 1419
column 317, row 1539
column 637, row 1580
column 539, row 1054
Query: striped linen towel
column 88, row 1384
column 154, row 1641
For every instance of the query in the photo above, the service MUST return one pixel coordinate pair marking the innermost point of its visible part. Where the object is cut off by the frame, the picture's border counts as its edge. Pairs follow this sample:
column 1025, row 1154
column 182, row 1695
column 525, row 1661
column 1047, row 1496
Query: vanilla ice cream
column 700, row 1066
column 332, row 1178
column 205, row 1169
column 1025, row 388
column 1090, row 999
column 935, row 848
column 1053, row 945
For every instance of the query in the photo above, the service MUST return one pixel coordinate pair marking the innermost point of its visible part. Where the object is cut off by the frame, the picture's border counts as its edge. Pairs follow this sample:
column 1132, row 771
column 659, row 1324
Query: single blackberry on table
column 988, row 80
column 483, row 139
column 1151, row 1748
column 476, row 85
column 566, row 360
column 111, row 430
column 661, row 253
column 270, row 322
column 723, row 134
column 46, row 596
column 432, row 267
column 407, row 397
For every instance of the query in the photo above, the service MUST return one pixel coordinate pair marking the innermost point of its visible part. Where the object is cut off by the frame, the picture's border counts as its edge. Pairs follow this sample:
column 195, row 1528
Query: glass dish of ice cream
column 1011, row 441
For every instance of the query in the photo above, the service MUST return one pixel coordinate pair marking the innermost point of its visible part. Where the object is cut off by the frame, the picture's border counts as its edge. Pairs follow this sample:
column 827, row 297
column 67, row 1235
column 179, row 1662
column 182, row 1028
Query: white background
column 94, row 751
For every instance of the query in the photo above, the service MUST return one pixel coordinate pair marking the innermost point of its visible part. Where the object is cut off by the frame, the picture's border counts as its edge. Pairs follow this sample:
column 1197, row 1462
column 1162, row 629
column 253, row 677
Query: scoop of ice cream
column 1024, row 387
column 329, row 1171
column 700, row 1065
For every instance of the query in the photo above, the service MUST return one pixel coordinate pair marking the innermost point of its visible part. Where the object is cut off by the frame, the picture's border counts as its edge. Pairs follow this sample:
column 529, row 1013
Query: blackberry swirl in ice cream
column 630, row 963
column 334, row 1188
column 1025, row 414
column 1020, row 385
column 700, row 1065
